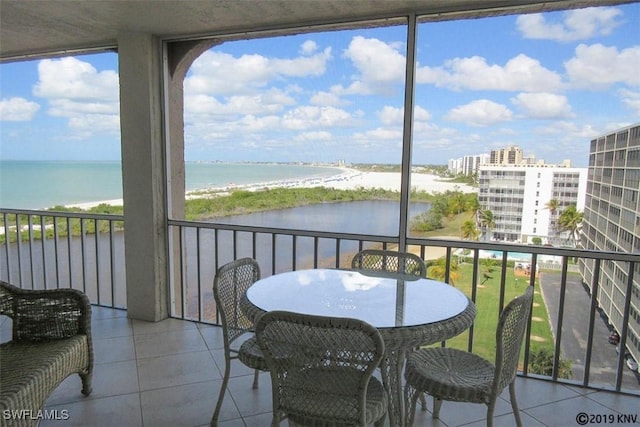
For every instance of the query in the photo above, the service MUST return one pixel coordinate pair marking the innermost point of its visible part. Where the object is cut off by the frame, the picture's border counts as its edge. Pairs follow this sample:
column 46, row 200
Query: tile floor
column 169, row 374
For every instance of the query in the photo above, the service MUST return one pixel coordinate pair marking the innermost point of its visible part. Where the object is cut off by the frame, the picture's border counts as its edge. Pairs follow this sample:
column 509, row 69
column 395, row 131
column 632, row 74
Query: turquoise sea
column 43, row 184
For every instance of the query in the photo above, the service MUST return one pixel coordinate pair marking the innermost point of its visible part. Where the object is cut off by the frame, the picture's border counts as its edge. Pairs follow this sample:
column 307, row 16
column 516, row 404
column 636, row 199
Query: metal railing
column 54, row 250
column 202, row 247
column 47, row 250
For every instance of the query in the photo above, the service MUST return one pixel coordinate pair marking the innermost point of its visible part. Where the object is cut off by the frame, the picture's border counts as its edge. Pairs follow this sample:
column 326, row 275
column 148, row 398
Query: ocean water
column 43, row 184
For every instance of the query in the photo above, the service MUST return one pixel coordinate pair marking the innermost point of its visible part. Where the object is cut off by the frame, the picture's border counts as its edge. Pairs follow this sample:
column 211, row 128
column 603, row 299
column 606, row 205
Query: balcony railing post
column 592, row 317
column 625, row 325
column 563, row 289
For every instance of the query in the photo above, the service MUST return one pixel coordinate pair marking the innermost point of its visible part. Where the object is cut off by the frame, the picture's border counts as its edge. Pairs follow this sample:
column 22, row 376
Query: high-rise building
column 454, row 166
column 520, row 200
column 467, row 165
column 506, row 156
column 612, row 223
column 471, row 164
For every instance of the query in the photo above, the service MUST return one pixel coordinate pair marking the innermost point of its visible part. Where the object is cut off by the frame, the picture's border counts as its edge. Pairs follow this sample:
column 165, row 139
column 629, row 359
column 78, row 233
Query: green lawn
column 487, row 304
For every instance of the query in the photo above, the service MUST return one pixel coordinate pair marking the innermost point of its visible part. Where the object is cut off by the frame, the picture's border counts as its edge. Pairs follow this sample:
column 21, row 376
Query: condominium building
column 506, row 156
column 612, row 223
column 519, row 198
column 467, row 165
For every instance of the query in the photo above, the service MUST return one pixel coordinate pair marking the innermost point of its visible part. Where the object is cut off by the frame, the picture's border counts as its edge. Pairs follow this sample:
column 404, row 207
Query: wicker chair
column 321, row 369
column 450, row 374
column 230, row 283
column 51, row 340
column 398, row 263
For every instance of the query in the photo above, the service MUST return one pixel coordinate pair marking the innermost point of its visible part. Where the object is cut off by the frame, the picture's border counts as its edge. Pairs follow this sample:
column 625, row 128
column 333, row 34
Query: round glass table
column 407, row 312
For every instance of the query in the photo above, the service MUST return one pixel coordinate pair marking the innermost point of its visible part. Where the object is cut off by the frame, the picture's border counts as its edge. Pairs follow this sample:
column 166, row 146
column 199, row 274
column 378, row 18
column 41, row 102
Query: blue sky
column 545, row 82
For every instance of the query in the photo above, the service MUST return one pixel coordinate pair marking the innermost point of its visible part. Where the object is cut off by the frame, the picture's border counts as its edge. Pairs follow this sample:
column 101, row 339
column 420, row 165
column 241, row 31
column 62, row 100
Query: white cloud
column 314, row 136
column 77, row 91
column 251, row 123
column 482, row 112
column 87, row 125
column 520, row 73
column 75, row 108
column 70, row 78
column 391, row 116
column 380, row 66
column 543, row 105
column 380, row 134
column 265, row 103
column 395, row 115
column 631, row 99
column 220, row 73
column 308, row 47
column 206, row 107
column 579, row 24
column 233, row 125
column 323, row 98
column 598, row 66
column 17, row 109
column 420, row 114
column 568, row 130
column 309, row 117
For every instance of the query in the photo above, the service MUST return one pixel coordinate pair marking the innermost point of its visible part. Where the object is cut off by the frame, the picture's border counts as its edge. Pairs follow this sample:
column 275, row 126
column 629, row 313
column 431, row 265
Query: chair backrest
column 509, row 335
column 343, row 352
column 390, row 261
column 229, row 285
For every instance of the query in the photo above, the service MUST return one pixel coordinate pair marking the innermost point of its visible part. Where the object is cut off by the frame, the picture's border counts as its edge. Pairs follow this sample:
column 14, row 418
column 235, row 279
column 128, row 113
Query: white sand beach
column 348, row 179
column 353, row 179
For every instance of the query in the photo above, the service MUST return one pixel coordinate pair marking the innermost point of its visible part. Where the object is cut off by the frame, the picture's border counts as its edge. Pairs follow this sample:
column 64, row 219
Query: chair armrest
column 46, row 314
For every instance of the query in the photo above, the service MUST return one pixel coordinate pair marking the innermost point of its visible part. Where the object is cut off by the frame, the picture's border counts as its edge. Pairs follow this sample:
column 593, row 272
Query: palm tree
column 469, row 230
column 489, row 265
column 571, row 220
column 473, row 205
column 486, row 221
column 437, row 269
column 553, row 205
column 457, row 202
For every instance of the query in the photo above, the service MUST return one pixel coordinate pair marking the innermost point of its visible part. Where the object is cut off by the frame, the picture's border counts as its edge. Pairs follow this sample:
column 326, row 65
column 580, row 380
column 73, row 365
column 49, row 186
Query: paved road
column 575, row 331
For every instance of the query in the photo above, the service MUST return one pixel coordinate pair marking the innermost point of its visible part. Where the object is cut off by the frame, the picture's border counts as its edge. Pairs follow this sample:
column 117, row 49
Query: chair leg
column 437, row 403
column 411, row 396
column 255, row 379
column 514, row 403
column 490, row 410
column 86, row 383
column 423, row 401
column 223, row 390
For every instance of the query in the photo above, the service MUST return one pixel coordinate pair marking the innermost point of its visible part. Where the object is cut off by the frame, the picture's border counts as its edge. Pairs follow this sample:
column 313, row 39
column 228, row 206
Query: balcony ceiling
column 53, row 27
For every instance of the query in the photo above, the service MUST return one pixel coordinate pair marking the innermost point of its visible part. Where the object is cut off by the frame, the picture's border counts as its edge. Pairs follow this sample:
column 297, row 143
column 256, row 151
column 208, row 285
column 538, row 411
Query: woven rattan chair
column 321, row 369
column 50, row 340
column 400, row 263
column 230, row 283
column 450, row 374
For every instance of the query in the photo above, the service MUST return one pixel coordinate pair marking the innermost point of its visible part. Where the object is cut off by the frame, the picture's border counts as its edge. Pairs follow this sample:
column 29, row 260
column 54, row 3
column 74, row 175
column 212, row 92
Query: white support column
column 143, row 170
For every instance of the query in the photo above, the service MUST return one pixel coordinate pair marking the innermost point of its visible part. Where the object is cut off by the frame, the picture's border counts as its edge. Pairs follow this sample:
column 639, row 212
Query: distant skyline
column 548, row 83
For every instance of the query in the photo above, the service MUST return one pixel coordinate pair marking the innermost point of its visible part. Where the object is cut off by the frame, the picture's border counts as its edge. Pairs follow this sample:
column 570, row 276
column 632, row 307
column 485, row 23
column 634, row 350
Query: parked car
column 614, row 338
column 632, row 364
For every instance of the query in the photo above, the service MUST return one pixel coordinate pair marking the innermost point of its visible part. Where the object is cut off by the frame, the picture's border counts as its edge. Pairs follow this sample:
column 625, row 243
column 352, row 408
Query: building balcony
column 169, row 372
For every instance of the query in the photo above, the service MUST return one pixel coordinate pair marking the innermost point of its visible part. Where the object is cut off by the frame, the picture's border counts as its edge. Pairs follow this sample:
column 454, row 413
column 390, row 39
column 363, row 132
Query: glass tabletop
column 384, row 302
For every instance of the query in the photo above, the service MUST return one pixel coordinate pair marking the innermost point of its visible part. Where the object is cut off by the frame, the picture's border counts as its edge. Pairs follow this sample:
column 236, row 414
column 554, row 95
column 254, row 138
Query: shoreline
column 347, row 179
